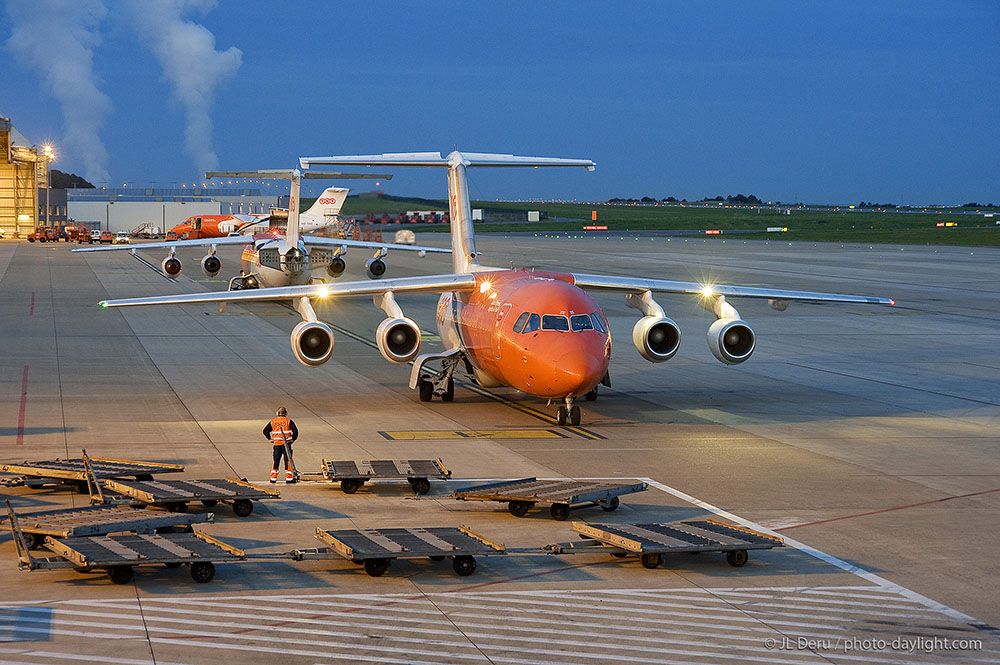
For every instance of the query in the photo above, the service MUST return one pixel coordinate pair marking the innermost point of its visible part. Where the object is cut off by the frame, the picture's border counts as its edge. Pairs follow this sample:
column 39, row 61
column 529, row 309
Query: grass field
column 813, row 225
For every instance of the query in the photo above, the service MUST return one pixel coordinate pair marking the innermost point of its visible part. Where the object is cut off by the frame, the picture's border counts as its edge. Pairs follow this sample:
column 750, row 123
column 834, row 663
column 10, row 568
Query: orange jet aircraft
column 538, row 332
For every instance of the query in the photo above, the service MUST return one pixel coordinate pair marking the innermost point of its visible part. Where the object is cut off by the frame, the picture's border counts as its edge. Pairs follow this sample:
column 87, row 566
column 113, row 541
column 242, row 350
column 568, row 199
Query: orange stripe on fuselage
column 544, row 363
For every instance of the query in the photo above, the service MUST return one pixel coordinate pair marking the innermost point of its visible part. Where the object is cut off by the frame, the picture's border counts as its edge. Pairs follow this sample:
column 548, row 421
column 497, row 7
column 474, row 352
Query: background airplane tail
column 329, row 203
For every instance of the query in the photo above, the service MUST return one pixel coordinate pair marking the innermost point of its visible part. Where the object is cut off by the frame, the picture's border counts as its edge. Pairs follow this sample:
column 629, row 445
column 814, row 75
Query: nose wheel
column 569, row 412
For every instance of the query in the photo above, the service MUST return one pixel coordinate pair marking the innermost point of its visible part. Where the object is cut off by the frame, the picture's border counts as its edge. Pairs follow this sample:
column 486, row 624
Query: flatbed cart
column 98, row 520
column 74, row 471
column 376, row 548
column 175, row 495
column 651, row 541
column 352, row 475
column 522, row 495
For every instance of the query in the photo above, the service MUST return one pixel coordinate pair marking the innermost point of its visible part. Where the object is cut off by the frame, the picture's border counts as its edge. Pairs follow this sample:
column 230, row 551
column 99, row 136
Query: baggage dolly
column 375, row 548
column 98, row 520
column 521, row 495
column 651, row 541
column 352, row 475
column 119, row 554
column 74, row 471
column 174, row 495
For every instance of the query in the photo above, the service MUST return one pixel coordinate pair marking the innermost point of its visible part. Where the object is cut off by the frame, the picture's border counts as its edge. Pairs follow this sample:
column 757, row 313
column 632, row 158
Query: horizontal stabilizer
column 286, row 174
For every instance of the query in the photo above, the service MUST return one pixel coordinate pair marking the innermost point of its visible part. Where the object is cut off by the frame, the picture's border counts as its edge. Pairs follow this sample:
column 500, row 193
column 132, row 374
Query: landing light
column 707, row 291
column 485, row 286
column 322, row 292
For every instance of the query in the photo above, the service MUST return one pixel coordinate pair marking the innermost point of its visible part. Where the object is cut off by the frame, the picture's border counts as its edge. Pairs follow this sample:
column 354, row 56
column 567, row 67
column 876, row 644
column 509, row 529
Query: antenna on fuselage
column 463, row 239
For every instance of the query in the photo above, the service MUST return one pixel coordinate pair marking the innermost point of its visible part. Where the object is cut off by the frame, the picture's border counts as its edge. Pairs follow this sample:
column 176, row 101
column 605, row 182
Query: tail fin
column 329, row 203
column 292, row 232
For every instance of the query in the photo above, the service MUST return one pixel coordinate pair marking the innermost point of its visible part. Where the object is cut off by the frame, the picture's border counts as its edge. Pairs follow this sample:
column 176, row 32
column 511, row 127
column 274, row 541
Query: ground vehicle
column 95, row 235
column 52, row 234
column 121, row 238
column 106, row 237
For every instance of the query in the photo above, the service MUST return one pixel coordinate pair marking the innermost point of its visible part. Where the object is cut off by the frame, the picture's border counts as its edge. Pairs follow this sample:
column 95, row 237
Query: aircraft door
column 497, row 332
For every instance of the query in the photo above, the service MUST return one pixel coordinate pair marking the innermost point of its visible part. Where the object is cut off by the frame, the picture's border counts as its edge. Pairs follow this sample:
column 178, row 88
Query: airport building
column 22, row 171
column 127, row 208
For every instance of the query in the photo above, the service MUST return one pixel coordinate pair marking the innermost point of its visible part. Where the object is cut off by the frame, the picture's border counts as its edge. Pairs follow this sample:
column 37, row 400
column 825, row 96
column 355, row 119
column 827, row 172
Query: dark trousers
column 279, row 452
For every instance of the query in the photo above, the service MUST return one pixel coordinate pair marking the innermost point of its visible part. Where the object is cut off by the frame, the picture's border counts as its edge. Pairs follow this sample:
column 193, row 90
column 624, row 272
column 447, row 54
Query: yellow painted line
column 421, row 435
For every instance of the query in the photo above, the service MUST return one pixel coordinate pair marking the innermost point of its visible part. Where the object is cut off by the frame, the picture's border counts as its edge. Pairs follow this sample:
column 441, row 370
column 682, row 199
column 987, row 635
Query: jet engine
column 312, row 343
column 171, row 266
column 211, row 265
column 375, row 268
column 336, row 267
column 398, row 339
column 657, row 338
column 731, row 340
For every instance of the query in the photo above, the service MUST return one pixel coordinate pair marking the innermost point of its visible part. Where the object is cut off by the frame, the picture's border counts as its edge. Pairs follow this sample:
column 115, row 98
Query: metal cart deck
column 352, row 474
column 98, row 520
column 375, row 548
column 36, row 474
column 521, row 495
column 175, row 495
column 651, row 541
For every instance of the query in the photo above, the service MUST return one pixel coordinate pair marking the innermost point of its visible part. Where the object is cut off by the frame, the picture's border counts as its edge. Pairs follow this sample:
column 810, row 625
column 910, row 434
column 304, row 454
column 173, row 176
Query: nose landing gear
column 569, row 411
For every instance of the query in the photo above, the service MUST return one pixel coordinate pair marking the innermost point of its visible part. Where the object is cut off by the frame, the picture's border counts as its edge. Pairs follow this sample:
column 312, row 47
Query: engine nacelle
column 312, row 343
column 731, row 340
column 171, row 266
column 336, row 267
column 398, row 339
column 375, row 268
column 656, row 338
column 211, row 265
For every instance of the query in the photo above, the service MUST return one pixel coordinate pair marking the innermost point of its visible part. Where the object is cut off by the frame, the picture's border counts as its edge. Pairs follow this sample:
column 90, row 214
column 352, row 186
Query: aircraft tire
column 426, row 389
column 449, row 393
column 561, row 415
column 574, row 415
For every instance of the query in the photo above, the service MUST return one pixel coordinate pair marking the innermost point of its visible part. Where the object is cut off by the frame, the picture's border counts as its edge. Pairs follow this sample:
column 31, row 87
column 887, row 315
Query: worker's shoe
column 274, row 475
column 291, row 482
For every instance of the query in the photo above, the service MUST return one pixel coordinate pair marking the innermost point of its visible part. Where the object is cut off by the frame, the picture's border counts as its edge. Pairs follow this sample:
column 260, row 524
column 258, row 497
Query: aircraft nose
column 580, row 367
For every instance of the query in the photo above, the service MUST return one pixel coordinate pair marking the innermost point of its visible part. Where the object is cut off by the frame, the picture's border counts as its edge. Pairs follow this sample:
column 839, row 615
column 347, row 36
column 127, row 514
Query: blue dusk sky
column 822, row 102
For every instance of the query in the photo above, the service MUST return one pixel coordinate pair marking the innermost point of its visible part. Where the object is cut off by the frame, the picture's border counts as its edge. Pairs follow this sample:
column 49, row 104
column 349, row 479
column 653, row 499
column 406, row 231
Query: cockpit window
column 555, row 322
column 599, row 322
column 580, row 322
column 521, row 320
column 534, row 321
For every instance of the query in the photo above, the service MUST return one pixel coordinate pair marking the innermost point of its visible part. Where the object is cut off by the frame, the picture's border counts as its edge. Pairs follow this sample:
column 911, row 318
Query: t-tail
column 465, row 258
column 292, row 231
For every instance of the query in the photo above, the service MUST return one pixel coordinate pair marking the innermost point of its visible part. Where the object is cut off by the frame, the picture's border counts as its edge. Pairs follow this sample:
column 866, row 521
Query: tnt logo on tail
column 329, row 203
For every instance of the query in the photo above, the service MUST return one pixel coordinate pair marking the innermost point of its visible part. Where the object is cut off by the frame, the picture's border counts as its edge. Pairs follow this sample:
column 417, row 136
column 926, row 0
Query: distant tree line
column 872, row 204
column 738, row 199
column 60, row 180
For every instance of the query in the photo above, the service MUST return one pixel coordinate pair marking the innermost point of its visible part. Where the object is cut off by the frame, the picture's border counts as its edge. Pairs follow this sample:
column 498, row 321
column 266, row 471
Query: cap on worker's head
column 282, row 411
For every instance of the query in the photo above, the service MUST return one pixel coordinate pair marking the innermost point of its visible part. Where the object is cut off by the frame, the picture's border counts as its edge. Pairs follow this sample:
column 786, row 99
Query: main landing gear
column 241, row 282
column 443, row 384
column 569, row 411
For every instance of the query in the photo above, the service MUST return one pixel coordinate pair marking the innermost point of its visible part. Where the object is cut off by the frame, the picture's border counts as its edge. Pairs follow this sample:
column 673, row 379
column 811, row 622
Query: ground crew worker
column 281, row 430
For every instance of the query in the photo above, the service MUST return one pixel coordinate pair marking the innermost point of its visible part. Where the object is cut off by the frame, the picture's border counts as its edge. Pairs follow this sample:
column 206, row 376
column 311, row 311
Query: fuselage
column 213, row 226
column 270, row 260
column 533, row 331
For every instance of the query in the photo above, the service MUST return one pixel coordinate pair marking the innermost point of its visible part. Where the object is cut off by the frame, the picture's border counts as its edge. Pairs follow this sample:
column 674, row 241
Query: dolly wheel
column 177, row 507
column 610, row 504
column 375, row 567
column 464, row 565
column 420, row 485
column 350, row 485
column 202, row 571
column 559, row 511
column 173, row 564
column 650, row 560
column 561, row 415
column 208, row 503
column 737, row 558
column 425, row 389
column 518, row 508
column 120, row 574
column 32, row 540
column 242, row 507
column 436, row 557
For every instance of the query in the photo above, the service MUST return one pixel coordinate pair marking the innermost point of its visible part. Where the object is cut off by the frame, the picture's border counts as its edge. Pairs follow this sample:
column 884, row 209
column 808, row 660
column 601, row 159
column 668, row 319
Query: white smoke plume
column 192, row 66
column 56, row 39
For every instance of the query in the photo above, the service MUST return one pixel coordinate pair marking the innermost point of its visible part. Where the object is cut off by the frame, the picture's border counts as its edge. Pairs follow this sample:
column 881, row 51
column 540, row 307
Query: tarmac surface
column 867, row 437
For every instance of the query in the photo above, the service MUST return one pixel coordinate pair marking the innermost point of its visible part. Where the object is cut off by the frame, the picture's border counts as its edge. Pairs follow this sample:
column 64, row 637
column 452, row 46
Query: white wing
column 428, row 284
column 334, row 242
column 201, row 242
column 638, row 285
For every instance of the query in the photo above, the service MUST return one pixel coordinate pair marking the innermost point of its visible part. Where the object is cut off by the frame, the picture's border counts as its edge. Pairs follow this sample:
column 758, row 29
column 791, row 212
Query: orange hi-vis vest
column 281, row 425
